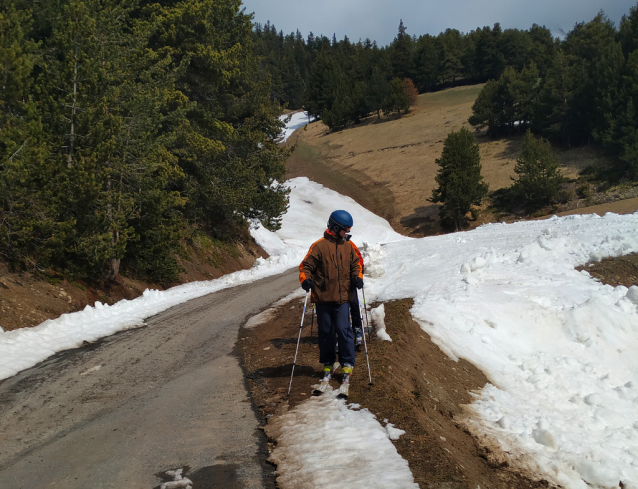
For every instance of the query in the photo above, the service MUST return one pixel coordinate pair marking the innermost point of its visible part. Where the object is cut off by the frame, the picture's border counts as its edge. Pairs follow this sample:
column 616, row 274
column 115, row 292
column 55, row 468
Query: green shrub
column 460, row 181
column 539, row 178
column 584, row 191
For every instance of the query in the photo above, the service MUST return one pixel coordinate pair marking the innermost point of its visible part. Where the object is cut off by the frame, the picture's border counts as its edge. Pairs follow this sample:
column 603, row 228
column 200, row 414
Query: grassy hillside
column 388, row 165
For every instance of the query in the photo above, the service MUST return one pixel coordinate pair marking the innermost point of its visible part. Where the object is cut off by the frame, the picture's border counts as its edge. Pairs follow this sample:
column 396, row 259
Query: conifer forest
column 126, row 127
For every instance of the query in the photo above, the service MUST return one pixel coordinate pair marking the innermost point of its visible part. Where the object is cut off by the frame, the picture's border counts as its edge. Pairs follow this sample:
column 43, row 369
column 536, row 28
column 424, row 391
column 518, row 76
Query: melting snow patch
column 322, row 443
column 178, row 481
column 92, row 369
column 377, row 316
column 293, row 122
column 393, row 433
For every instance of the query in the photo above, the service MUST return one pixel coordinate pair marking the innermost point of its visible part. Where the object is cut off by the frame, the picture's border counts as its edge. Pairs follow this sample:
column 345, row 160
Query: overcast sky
column 379, row 19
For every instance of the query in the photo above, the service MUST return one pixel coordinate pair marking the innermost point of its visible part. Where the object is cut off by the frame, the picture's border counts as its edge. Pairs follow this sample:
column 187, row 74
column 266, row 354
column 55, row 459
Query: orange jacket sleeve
column 356, row 250
column 356, row 266
column 308, row 264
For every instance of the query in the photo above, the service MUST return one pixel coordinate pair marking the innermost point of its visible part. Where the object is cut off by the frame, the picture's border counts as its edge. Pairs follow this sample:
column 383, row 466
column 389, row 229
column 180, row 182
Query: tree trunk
column 114, row 269
column 69, row 160
column 114, row 263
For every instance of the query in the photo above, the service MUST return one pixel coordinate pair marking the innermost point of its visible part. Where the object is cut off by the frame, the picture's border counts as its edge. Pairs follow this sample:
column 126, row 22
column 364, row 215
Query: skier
column 331, row 270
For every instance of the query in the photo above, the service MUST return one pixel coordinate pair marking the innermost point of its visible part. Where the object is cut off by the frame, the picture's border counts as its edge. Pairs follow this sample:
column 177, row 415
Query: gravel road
column 124, row 410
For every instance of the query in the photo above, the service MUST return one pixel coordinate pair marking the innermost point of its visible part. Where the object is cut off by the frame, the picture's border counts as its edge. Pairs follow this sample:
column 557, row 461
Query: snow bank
column 559, row 346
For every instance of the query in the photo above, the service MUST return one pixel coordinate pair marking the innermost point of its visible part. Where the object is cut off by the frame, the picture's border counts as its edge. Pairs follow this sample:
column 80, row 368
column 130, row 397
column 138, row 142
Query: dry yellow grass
column 388, row 166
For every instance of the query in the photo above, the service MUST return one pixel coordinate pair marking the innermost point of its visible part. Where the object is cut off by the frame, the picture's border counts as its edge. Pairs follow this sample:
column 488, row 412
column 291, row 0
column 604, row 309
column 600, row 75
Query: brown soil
column 27, row 299
column 416, row 387
column 615, row 271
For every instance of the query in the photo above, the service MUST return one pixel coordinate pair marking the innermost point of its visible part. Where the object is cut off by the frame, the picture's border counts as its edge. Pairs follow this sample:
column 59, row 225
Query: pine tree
column 628, row 31
column 621, row 132
column 396, row 98
column 486, row 111
column 542, row 49
column 320, row 92
column 228, row 151
column 128, row 124
column 489, row 59
column 507, row 100
column 539, row 177
column 554, row 114
column 426, row 63
column 596, row 61
column 516, row 46
column 451, row 66
column 459, row 178
column 527, row 88
column 376, row 91
column 27, row 211
column 338, row 113
column 401, row 53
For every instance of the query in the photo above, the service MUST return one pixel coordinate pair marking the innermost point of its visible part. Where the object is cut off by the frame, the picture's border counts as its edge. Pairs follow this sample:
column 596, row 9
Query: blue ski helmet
column 340, row 220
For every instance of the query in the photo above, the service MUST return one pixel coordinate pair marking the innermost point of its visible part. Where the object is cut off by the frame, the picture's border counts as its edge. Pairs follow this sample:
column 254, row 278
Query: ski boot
column 335, row 367
column 328, row 370
column 346, row 372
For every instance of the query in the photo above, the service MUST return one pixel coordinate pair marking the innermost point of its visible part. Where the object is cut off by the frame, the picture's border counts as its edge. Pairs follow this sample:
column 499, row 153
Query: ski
column 323, row 386
column 345, row 386
column 343, row 391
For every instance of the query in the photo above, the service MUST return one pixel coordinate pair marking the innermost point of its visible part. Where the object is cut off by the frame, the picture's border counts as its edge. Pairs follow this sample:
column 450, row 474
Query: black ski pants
column 334, row 319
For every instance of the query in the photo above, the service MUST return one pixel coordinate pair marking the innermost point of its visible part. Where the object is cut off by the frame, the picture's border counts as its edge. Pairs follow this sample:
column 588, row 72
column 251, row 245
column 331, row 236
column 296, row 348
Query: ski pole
column 365, row 344
column 298, row 339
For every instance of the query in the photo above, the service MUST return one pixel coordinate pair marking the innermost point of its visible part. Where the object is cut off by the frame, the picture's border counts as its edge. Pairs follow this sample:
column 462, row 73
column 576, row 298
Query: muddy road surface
column 122, row 411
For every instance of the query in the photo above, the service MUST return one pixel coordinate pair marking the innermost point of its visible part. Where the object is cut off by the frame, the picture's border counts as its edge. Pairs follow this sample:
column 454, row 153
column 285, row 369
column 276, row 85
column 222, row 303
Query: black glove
column 358, row 282
column 306, row 284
